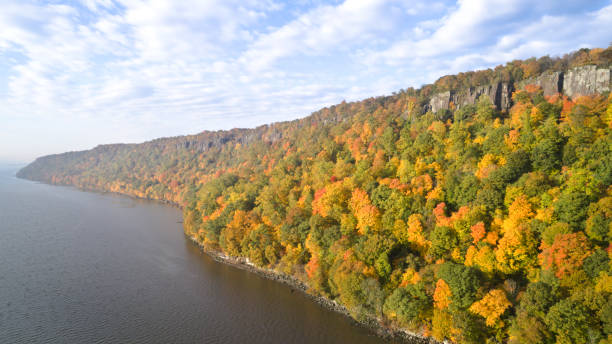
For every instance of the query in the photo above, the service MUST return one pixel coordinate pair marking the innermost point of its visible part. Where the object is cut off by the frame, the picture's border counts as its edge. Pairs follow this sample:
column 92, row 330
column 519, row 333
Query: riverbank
column 106, row 192
column 372, row 324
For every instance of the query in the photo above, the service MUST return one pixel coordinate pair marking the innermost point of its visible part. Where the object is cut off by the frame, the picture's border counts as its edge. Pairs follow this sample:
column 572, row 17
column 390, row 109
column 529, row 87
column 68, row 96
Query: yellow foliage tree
column 410, row 276
column 488, row 164
column 331, row 201
column 491, row 307
column 517, row 249
column 442, row 295
column 415, row 231
column 442, row 326
column 368, row 216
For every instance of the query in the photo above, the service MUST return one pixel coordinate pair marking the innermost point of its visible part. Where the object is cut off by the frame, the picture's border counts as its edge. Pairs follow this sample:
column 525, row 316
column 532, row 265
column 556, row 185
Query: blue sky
column 74, row 74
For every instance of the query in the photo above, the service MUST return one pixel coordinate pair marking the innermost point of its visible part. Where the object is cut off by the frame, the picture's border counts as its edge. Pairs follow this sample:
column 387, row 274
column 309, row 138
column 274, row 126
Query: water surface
column 81, row 267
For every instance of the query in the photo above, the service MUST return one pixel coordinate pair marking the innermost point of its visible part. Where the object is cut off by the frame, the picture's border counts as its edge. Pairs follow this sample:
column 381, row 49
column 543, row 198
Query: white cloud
column 482, row 33
column 322, row 29
column 100, row 71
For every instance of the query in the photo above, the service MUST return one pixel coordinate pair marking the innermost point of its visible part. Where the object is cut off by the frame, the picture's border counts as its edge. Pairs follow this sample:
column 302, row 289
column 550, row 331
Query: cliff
column 584, row 80
column 91, row 168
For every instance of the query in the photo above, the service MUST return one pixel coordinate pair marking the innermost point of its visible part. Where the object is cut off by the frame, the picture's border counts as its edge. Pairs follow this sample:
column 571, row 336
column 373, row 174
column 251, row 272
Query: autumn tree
column 491, row 307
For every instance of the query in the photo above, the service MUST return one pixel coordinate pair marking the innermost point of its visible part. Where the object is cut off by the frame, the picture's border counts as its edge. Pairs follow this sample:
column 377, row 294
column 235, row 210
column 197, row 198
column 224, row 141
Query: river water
column 81, row 267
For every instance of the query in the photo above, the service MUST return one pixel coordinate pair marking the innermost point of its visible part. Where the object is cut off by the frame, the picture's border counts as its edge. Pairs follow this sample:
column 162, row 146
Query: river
column 83, row 267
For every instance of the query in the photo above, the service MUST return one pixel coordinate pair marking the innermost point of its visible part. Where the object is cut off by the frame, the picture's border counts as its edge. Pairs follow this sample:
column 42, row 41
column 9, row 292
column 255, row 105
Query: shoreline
column 371, row 324
column 105, row 192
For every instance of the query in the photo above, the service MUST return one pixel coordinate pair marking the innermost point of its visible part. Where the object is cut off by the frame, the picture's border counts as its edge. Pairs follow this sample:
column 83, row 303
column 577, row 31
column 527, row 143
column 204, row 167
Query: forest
column 470, row 224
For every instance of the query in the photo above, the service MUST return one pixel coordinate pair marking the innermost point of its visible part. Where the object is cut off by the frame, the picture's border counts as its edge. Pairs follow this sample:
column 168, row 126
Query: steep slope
column 475, row 208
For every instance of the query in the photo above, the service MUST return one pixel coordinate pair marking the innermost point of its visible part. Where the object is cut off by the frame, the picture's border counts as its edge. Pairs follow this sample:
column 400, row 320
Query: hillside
column 476, row 208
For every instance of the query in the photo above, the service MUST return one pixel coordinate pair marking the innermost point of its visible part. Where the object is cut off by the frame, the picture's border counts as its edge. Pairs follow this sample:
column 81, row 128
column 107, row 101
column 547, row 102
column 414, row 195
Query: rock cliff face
column 499, row 93
column 440, row 101
column 578, row 81
column 586, row 80
column 551, row 83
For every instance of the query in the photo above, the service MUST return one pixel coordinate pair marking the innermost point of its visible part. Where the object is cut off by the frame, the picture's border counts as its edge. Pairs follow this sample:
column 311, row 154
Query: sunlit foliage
column 472, row 225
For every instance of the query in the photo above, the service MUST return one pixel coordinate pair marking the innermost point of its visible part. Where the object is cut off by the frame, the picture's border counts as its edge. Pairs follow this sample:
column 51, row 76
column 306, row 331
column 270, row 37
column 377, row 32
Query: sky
column 75, row 74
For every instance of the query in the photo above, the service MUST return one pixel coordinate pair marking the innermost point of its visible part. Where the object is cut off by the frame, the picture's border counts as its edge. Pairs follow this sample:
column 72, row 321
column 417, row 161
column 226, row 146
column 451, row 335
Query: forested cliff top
column 476, row 209
column 584, row 72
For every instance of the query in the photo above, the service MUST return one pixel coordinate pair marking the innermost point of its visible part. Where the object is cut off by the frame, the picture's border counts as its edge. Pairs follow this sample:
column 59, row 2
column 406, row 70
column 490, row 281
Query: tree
column 236, row 230
column 572, row 207
column 566, row 254
column 295, row 227
column 529, row 326
column 478, row 232
column 569, row 321
column 372, row 248
column 527, row 329
column 546, row 155
column 463, row 282
column 482, row 257
column 382, row 266
column 485, row 109
column 606, row 317
column 490, row 197
column 491, row 307
column 596, row 262
column 517, row 248
column 408, row 304
column 414, row 231
column 332, row 200
column 368, row 216
column 599, row 222
column 260, row 245
column 443, row 240
column 442, row 295
column 538, row 299
column 359, row 293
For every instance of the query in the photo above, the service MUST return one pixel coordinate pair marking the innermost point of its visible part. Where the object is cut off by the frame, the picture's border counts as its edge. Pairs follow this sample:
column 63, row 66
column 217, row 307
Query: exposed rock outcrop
column 499, row 93
column 578, row 81
column 551, row 83
column 586, row 80
column 440, row 101
column 505, row 102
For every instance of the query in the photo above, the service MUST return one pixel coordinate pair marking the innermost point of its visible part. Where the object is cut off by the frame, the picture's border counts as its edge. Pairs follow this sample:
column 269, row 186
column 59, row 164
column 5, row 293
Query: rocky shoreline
column 372, row 324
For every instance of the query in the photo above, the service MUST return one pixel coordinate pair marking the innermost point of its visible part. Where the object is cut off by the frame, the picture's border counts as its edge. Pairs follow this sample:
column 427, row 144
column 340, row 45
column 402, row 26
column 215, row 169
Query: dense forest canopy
column 469, row 224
